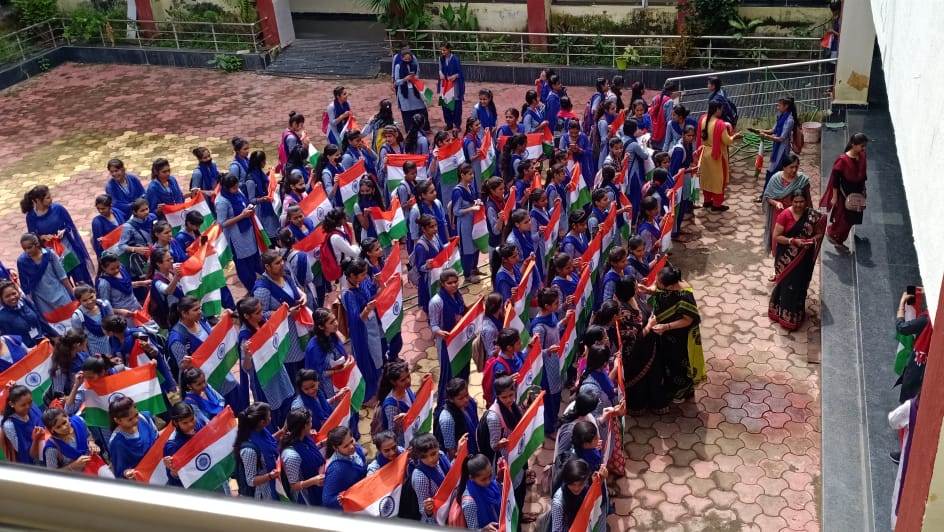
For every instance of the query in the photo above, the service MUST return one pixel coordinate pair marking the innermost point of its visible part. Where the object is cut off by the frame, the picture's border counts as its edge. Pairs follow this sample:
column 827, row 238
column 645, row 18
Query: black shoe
column 719, row 208
column 895, row 456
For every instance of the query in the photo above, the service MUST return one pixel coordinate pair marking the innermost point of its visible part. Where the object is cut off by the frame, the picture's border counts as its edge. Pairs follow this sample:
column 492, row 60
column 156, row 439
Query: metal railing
column 38, row 39
column 713, row 52
column 809, row 83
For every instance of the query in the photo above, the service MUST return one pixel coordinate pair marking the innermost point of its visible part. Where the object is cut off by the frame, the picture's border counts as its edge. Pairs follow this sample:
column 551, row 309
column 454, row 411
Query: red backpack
column 456, row 518
column 283, row 153
column 658, row 120
column 330, row 267
column 488, row 377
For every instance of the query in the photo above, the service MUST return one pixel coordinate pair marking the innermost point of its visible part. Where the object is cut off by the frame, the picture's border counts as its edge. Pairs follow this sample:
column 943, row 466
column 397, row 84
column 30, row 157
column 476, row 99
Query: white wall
column 909, row 35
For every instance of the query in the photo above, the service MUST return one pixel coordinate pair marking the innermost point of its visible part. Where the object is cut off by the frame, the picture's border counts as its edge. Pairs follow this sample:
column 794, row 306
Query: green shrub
column 227, row 63
column 85, row 23
column 29, row 12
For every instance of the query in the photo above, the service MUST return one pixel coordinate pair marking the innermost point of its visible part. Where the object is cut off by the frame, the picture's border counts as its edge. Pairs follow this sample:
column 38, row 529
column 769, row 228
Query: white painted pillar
column 856, row 43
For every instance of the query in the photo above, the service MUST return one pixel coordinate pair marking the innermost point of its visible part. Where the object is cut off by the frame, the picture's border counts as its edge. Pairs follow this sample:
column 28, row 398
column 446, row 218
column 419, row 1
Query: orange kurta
column 714, row 173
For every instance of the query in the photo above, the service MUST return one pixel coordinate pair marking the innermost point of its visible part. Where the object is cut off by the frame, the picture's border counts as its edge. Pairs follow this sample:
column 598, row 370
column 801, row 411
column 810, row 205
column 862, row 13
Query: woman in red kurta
column 848, row 177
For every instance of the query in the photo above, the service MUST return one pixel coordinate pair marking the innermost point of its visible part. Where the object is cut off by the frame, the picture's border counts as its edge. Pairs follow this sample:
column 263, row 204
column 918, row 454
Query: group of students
column 634, row 324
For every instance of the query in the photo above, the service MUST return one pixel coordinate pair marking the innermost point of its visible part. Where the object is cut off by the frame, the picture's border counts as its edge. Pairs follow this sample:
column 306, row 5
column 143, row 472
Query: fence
column 43, row 37
column 620, row 51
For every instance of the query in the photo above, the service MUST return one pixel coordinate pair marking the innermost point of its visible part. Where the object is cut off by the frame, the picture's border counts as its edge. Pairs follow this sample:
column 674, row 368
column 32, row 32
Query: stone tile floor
column 745, row 455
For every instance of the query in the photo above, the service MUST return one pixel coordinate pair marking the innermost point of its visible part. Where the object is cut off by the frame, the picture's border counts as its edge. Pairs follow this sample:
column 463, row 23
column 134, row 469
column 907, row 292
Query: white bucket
column 811, row 132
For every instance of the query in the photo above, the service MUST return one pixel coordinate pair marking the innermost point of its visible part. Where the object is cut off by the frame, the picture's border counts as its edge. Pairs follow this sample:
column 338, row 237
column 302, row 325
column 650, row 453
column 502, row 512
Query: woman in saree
column 675, row 320
column 846, row 179
column 714, row 167
column 797, row 235
column 778, row 195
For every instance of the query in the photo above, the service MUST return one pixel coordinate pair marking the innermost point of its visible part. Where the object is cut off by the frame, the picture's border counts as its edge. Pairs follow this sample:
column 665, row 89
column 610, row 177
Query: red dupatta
column 716, row 133
column 852, row 170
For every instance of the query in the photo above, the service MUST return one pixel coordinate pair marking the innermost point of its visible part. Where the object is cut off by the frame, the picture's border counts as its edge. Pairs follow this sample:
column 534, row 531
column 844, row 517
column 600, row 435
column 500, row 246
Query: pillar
column 539, row 15
column 143, row 12
column 856, row 44
column 270, row 27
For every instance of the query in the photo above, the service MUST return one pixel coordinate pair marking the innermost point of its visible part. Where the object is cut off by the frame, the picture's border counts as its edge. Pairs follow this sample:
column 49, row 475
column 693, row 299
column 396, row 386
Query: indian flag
column 176, row 213
column 426, row 92
column 389, row 224
column 378, row 494
column 349, row 185
column 609, row 235
column 64, row 251
column 459, row 340
column 311, row 246
column 32, row 371
column 351, row 378
column 487, row 156
column 510, row 202
column 514, row 321
column 313, row 156
column 547, row 141
column 419, row 418
column 394, row 166
column 111, row 239
column 584, row 295
column 447, row 94
column 577, row 193
column 202, row 277
column 527, row 437
column 217, row 355
column 273, row 193
column 220, row 245
column 529, row 376
column 905, row 343
column 665, row 229
column 349, row 125
column 523, row 291
column 142, row 317
column 654, row 271
column 450, row 156
column 270, row 344
column 151, row 469
column 447, row 258
column 592, row 255
column 480, row 230
column 140, row 384
column 567, row 350
column 206, row 461
column 340, row 416
column 591, row 517
column 550, row 233
column 262, row 238
column 616, row 126
column 624, row 227
column 316, row 205
column 447, row 491
column 61, row 318
column 535, row 146
column 96, row 467
column 394, row 265
column 390, row 306
column 508, row 514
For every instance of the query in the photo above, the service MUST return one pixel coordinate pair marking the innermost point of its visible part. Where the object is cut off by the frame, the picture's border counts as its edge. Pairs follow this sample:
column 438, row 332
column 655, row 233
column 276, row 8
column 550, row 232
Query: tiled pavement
column 744, row 456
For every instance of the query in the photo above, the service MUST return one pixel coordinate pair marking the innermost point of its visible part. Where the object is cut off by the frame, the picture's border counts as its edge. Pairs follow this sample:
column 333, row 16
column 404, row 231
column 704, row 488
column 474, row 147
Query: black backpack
column 409, row 504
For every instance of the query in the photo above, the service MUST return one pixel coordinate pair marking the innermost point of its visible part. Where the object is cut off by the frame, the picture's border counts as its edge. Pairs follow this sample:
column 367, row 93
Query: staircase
column 332, row 47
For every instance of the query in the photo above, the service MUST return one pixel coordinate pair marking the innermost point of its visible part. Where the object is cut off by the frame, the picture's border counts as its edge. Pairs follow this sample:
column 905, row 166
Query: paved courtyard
column 745, row 455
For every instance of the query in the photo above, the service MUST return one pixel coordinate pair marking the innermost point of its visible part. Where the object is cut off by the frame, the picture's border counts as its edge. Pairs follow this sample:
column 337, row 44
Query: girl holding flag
column 367, row 338
column 532, row 113
column 540, row 218
column 235, row 214
column 451, row 69
column 471, row 143
column 368, row 196
column 462, row 207
column 585, row 444
column 575, row 241
column 163, row 236
column 325, row 353
column 122, row 187
column 298, row 266
column 42, row 276
column 68, row 355
column 576, row 145
column 493, row 197
column 481, row 501
column 406, row 71
column 507, row 361
column 165, row 289
column 293, row 149
column 355, row 149
column 278, row 390
column 445, row 310
column 500, row 418
column 387, row 449
column 427, row 246
column 393, row 144
column 416, row 141
column 564, row 279
column 257, row 190
column 125, row 342
column 427, row 204
column 186, row 425
column 135, row 241
column 395, row 398
column 602, row 119
column 19, row 317
column 107, row 220
column 256, row 453
column 597, row 380
column 347, row 465
column 520, row 234
column 206, row 176
column 431, row 468
column 457, row 418
column 187, row 335
column 302, row 462
column 50, row 220
column 89, row 316
column 312, row 399
column 338, row 112
column 566, row 502
column 23, row 425
column 272, row 289
column 134, row 433
column 491, row 325
column 485, row 112
column 544, row 326
column 69, row 445
column 556, row 187
column 509, row 275
column 327, row 167
column 616, row 261
column 293, row 190
column 163, row 188
column 198, row 393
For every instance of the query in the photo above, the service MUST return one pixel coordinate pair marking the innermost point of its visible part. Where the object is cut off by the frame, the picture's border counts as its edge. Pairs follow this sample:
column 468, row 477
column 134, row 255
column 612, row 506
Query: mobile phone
column 911, row 290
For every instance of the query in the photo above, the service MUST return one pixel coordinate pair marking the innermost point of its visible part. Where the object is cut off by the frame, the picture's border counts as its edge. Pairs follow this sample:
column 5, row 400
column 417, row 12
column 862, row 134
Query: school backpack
column 488, row 378
column 330, row 267
column 413, row 274
column 283, row 152
column 478, row 353
column 796, row 142
column 325, row 121
column 729, row 111
column 456, row 518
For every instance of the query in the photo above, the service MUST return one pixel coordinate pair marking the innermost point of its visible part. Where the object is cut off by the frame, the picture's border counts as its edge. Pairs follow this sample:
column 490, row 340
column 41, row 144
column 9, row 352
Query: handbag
column 855, row 202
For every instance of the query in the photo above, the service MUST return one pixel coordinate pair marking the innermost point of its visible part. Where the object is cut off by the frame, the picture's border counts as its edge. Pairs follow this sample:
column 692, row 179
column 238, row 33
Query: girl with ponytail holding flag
column 481, row 500
column 302, row 461
column 564, row 279
column 471, row 144
column 493, row 197
column 427, row 246
column 107, row 220
column 272, row 289
column 427, row 204
column 206, row 176
column 89, row 316
column 199, row 394
column 544, row 326
column 130, row 345
column 326, row 354
column 395, row 397
column 367, row 339
column 163, row 237
column 337, row 114
column 429, row 473
column 457, row 418
column 69, row 446
column 186, row 425
column 509, row 275
column 165, row 291
column 450, row 69
column 298, row 264
column 347, row 465
column 256, row 453
column 19, row 317
column 23, row 425
column 445, row 310
column 312, row 399
column 134, row 433
column 566, row 501
column 393, row 144
column 597, row 379
column 235, row 215
column 257, row 190
column 462, row 207
column 51, row 221
column 42, row 276
column 278, row 390
column 406, row 80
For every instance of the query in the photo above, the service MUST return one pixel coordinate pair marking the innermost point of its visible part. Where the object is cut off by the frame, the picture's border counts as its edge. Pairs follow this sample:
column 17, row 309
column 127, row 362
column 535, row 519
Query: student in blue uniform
column 506, row 363
column 604, row 116
column 70, row 445
column 355, row 149
column 115, row 285
column 457, row 417
column 462, row 209
column 578, row 148
column 163, row 188
column 367, row 340
column 512, row 126
column 481, row 500
column 165, row 290
column 575, row 241
column 450, row 68
column 257, row 191
column 123, row 187
column 19, row 317
column 107, row 220
column 206, row 176
column 432, row 465
column 134, row 433
column 552, row 103
column 122, row 340
column 239, row 166
column 509, row 275
column 564, row 279
column 471, row 143
column 198, row 393
column 279, row 390
column 42, row 276
column 326, row 354
column 310, row 397
column 274, row 288
column 257, row 453
column 234, row 213
column 302, row 461
column 88, row 318
column 493, row 197
column 445, row 310
column 427, row 246
column 49, row 220
column 293, row 149
column 486, row 113
column 520, row 234
column 325, row 171
column 135, row 241
column 338, row 113
column 395, row 397
column 406, row 70
column 616, row 263
column 23, row 425
column 347, row 465
column 532, row 113
column 385, row 442
column 186, row 425
column 545, row 327
column 163, row 237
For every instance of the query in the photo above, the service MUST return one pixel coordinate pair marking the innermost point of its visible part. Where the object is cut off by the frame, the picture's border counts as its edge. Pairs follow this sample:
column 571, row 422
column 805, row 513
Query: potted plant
column 629, row 56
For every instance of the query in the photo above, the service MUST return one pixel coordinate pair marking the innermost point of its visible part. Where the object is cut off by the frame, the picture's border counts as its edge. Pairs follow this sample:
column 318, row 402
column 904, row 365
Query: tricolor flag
column 32, row 371
column 607, row 229
column 583, row 306
column 311, row 246
column 424, row 91
column 577, row 193
column 378, row 494
column 151, row 469
column 616, row 126
column 176, row 213
column 508, row 514
column 393, row 266
column 61, row 318
column 206, row 461
column 262, row 238
column 340, row 416
column 349, row 185
column 523, row 291
column 905, row 343
column 111, row 239
column 654, row 271
column 446, row 493
column 140, row 384
column 547, row 141
column 316, row 205
column 510, row 202
column 419, row 418
column 450, row 156
column 567, row 352
column 350, row 378
column 550, row 233
column 389, row 224
column 447, row 94
column 275, row 198
column 217, row 355
column 138, row 356
column 394, row 166
column 591, row 517
column 447, row 258
column 202, row 277
column 459, row 340
column 64, row 251
column 215, row 236
column 592, row 255
column 349, row 125
column 624, row 227
column 514, row 321
column 665, row 229
column 535, row 146
column 313, row 156
column 487, row 157
column 96, row 467
column 527, row 437
column 480, row 230
column 270, row 344
column 529, row 376
column 142, row 317
column 390, row 306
